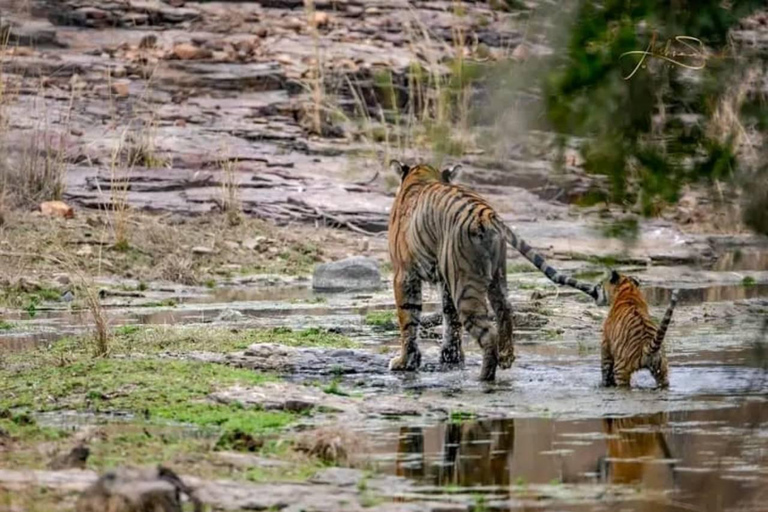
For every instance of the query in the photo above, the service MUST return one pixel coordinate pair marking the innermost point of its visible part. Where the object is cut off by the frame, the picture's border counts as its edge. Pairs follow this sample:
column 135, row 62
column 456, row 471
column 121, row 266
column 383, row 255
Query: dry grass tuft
column 230, row 192
column 334, row 445
column 178, row 268
column 33, row 169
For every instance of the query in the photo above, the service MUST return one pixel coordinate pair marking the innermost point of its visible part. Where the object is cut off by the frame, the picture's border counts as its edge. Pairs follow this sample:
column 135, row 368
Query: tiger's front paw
column 408, row 363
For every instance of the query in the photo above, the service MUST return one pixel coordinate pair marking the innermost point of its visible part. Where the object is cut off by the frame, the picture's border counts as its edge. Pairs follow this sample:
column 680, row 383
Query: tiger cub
column 631, row 340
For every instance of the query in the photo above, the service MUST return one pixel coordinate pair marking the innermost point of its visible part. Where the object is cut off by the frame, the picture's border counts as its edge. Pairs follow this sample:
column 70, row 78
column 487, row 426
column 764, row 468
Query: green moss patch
column 166, row 390
column 381, row 319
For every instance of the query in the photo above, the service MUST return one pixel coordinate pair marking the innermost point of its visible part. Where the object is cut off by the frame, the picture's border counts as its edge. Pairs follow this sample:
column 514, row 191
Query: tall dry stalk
column 317, row 68
column 230, row 191
column 119, row 186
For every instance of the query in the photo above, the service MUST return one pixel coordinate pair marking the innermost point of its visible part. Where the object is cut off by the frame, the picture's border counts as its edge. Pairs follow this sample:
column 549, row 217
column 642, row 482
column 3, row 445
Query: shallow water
column 705, row 293
column 710, row 460
column 747, row 259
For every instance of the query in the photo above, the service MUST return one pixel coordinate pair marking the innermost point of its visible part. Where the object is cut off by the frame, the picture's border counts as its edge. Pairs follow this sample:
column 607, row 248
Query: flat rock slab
column 336, row 489
column 302, row 361
column 329, row 493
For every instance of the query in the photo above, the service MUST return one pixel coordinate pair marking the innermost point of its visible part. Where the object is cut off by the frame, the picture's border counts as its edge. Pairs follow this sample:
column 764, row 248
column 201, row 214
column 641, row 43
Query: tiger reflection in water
column 632, row 443
column 472, row 453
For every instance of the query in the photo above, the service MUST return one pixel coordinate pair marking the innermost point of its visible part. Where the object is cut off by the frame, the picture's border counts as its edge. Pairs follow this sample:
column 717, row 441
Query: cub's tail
column 538, row 260
column 662, row 330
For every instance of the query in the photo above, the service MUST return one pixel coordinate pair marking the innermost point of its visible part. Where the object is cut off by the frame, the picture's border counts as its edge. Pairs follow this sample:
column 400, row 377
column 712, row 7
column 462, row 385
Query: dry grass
column 334, row 445
column 435, row 115
column 33, row 169
column 316, row 78
column 162, row 247
column 230, row 192
column 119, row 185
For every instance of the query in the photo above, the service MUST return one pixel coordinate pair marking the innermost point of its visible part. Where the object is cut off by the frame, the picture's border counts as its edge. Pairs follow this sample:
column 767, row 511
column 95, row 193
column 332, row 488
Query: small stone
column 63, row 279
column 85, row 250
column 120, row 89
column 187, row 51
column 321, row 19
column 521, row 53
column 202, row 250
column 76, row 458
column 57, row 209
column 231, row 245
column 257, row 243
column 351, row 274
column 229, row 315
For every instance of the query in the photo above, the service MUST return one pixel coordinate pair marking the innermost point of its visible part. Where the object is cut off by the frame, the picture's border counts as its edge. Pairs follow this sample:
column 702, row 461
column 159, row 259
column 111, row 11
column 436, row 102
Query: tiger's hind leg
column 606, row 366
column 497, row 294
column 408, row 301
column 451, row 352
column 477, row 320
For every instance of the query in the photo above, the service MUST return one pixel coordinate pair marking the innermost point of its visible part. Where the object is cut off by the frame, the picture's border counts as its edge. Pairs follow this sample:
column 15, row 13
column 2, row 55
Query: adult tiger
column 631, row 340
column 446, row 234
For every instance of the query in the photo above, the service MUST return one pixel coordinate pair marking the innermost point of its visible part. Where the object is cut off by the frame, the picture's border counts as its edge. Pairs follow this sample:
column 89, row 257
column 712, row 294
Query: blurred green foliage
column 639, row 129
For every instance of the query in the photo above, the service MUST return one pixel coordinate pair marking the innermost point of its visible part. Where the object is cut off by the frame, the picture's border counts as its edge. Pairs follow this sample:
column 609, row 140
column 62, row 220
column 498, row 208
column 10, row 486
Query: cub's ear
column 635, row 281
column 450, row 174
column 399, row 168
column 615, row 277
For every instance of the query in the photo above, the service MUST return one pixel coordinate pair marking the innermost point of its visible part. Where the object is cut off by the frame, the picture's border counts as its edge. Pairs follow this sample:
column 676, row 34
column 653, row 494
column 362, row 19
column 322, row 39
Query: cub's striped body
column 631, row 340
column 448, row 235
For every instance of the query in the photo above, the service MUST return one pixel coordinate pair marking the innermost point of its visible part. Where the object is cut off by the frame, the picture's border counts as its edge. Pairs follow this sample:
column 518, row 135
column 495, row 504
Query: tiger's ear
column 399, row 168
column 635, row 281
column 451, row 173
column 614, row 277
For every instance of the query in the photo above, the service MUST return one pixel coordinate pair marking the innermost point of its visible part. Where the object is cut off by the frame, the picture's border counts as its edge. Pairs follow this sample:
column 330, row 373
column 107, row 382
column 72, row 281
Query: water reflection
column 660, row 296
column 469, row 452
column 631, row 444
column 742, row 260
column 709, row 460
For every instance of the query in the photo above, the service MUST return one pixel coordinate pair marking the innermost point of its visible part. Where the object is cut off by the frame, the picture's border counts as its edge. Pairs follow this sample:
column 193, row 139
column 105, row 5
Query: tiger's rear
column 447, row 235
column 631, row 340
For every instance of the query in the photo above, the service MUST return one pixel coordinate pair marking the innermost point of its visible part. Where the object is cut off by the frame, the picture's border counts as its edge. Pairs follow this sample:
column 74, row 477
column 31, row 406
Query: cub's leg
column 660, row 370
column 408, row 301
column 622, row 372
column 606, row 365
column 497, row 295
column 475, row 316
column 451, row 352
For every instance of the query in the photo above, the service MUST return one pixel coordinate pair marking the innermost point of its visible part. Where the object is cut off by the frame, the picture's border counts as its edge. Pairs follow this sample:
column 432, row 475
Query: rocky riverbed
column 224, row 363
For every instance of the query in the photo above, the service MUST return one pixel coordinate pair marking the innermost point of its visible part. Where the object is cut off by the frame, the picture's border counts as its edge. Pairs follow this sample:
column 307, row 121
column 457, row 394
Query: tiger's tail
column 538, row 260
column 662, row 330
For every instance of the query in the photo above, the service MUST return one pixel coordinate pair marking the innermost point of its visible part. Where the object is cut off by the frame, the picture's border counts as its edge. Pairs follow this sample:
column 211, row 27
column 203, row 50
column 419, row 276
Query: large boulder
column 351, row 274
column 137, row 490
